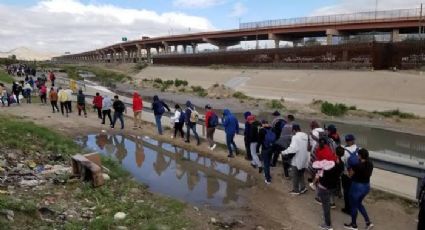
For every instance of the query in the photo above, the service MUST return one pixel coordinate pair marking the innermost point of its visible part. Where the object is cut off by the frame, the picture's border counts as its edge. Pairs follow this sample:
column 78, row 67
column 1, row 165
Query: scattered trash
column 29, row 183
column 119, row 216
column 106, row 176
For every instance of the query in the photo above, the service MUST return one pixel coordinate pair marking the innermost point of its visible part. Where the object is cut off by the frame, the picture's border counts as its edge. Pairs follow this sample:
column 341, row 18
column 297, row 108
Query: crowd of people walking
column 335, row 168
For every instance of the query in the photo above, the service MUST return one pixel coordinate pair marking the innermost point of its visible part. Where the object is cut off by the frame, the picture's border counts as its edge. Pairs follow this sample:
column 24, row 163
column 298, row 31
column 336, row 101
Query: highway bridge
column 394, row 23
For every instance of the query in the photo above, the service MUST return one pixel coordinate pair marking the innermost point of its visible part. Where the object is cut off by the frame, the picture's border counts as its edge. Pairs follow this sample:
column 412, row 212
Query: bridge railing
column 388, row 15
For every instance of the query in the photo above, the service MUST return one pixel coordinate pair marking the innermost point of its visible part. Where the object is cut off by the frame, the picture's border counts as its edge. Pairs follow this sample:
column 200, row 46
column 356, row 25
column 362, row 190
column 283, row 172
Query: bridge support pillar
column 330, row 33
column 148, row 55
column 138, row 53
column 395, row 35
column 276, row 43
column 194, row 46
column 184, row 48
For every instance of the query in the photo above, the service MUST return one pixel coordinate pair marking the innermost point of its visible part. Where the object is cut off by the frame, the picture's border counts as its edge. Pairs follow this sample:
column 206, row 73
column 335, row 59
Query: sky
column 58, row 26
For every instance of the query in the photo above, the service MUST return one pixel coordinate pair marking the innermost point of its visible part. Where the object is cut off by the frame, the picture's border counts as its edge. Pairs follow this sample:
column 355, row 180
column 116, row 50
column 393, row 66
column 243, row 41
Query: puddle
column 173, row 171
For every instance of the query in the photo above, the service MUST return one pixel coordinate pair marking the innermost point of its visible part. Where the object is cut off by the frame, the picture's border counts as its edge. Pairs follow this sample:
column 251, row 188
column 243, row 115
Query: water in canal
column 173, row 171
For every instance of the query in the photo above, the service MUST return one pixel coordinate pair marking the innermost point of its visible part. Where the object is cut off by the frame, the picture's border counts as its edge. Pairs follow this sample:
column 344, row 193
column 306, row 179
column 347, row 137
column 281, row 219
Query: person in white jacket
column 300, row 160
column 177, row 120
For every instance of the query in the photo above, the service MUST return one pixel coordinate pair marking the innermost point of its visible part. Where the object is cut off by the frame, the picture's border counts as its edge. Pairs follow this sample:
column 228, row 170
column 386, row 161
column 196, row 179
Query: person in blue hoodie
column 158, row 108
column 231, row 128
column 190, row 121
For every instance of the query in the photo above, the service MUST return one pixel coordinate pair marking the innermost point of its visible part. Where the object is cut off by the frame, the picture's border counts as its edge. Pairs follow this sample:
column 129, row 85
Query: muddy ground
column 268, row 206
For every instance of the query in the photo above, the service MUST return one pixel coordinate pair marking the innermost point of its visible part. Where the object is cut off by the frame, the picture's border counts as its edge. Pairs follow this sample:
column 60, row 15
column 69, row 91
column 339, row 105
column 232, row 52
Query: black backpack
column 120, row 107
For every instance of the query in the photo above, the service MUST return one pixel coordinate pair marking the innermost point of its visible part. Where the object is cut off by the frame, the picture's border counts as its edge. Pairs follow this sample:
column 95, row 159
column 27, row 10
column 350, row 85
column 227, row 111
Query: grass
column 275, row 104
column 29, row 137
column 333, row 109
column 396, row 113
column 140, row 66
column 198, row 90
column 240, row 95
column 5, row 78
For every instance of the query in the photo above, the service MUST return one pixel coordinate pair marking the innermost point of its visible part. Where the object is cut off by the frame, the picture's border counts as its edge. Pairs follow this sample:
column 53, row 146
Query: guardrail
column 371, row 16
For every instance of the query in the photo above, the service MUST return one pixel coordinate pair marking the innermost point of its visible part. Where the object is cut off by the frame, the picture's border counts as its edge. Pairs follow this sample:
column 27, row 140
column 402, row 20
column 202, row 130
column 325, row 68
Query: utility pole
column 420, row 23
column 376, row 9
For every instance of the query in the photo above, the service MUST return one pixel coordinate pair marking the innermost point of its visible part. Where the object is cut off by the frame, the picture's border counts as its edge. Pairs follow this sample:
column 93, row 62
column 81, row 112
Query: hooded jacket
column 157, row 104
column 97, row 101
column 81, row 98
column 247, row 126
column 106, row 103
column 298, row 146
column 188, row 112
column 230, row 123
column 62, row 96
column 137, row 102
column 53, row 95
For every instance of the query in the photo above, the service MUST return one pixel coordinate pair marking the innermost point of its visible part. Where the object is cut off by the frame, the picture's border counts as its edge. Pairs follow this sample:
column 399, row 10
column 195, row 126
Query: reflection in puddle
column 171, row 170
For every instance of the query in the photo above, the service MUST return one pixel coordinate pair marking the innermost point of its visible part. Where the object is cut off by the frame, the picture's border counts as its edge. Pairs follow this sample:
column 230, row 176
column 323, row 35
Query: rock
column 119, row 216
column 121, row 228
column 19, row 166
column 196, row 208
column 213, row 220
column 8, row 213
column 106, row 176
column 12, row 156
column 29, row 183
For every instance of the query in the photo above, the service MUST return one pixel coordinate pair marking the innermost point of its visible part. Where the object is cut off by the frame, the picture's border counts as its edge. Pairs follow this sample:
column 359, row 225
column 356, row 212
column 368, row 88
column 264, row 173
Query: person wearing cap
column 254, row 142
column 350, row 159
column 211, row 122
column 190, row 123
column 300, row 159
column 277, row 125
column 231, row 128
column 246, row 136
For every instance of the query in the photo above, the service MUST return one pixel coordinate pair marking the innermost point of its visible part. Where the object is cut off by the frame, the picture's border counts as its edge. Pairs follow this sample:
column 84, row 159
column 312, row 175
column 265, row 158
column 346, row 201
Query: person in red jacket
column 137, row 109
column 97, row 104
column 211, row 122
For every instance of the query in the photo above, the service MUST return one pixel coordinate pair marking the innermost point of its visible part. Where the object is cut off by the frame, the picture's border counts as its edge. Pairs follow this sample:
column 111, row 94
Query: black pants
column 54, row 105
column 247, row 149
column 118, row 116
column 69, row 105
column 277, row 151
column 421, row 216
column 346, row 184
column 43, row 98
column 99, row 112
column 64, row 106
column 106, row 113
column 17, row 97
column 178, row 127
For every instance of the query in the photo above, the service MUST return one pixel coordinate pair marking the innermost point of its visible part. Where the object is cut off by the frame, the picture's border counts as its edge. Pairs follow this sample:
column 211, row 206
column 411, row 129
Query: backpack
column 161, row 109
column 120, row 107
column 352, row 159
column 213, row 121
column 269, row 139
column 194, row 116
column 182, row 117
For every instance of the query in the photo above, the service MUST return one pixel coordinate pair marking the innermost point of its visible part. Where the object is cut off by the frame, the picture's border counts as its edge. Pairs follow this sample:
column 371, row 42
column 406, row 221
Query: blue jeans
column 267, row 155
column 119, row 116
column 158, row 123
column 358, row 192
column 191, row 126
column 231, row 142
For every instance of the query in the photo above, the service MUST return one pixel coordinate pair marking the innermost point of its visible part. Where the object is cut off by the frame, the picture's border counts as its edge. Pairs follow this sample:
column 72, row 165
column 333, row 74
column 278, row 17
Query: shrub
column 240, row 95
column 333, row 109
column 158, row 80
column 140, row 66
column 199, row 91
column 396, row 113
column 178, row 83
column 275, row 104
column 216, row 85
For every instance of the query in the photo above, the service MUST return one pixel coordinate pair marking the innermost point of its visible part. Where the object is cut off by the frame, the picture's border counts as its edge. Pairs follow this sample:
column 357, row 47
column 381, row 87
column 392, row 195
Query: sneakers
column 312, row 186
column 350, row 227
column 213, row 147
column 304, row 190
column 230, row 156
column 267, row 182
column 333, row 206
column 317, row 200
column 253, row 165
column 294, row 193
column 369, row 226
column 172, row 137
column 325, row 227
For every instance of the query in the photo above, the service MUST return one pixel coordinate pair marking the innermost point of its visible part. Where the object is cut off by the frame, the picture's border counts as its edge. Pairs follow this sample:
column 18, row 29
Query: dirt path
column 268, row 206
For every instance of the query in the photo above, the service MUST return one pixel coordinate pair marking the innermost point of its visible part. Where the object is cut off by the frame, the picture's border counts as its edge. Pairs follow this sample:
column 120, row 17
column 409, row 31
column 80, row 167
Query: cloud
column 197, row 3
column 238, row 10
column 69, row 25
column 350, row 6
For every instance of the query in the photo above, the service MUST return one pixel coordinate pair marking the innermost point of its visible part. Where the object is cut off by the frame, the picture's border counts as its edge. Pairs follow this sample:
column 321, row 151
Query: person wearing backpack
column 137, row 110
column 267, row 137
column 158, row 107
column 284, row 141
column 27, row 92
column 191, row 118
column 231, row 128
column 254, row 142
column 178, row 120
column 277, row 125
column 63, row 98
column 350, row 159
column 16, row 90
column 43, row 94
column 299, row 161
column 119, row 109
column 211, row 122
column 316, row 133
column 106, row 109
column 81, row 103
